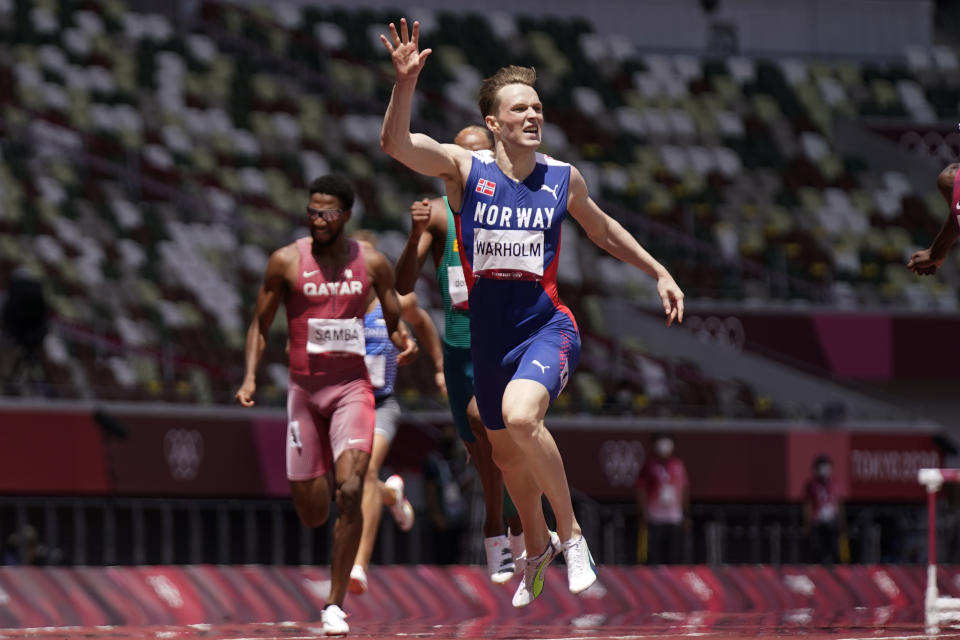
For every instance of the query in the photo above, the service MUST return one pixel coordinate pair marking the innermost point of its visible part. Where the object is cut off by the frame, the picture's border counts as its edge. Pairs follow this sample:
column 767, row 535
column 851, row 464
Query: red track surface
column 714, row 603
column 728, row 628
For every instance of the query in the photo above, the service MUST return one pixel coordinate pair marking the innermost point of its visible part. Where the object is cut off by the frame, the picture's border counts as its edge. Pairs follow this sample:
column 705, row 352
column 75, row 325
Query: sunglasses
column 329, row 215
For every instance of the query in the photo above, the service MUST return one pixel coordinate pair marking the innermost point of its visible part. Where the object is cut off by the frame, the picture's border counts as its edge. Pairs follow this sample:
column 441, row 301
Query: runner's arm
column 268, row 301
column 423, row 221
column 609, row 235
column 419, row 152
column 927, row 261
column 381, row 278
column 422, row 325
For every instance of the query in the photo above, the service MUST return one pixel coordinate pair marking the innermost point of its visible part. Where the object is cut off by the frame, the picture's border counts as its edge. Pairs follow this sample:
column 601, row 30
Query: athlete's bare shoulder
column 283, row 257
column 373, row 259
column 578, row 186
column 460, row 156
column 946, row 179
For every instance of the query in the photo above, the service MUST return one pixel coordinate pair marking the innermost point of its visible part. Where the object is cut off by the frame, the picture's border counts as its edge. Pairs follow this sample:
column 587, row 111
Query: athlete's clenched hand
column 419, row 216
column 924, row 263
column 244, row 394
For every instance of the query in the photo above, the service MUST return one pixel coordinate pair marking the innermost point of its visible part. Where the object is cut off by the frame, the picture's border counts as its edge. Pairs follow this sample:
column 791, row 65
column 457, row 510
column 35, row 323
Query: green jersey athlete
column 433, row 233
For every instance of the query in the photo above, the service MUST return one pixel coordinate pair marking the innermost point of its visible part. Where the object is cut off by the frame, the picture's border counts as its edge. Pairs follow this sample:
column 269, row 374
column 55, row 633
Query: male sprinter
column 382, row 364
column 509, row 205
column 432, row 232
column 326, row 283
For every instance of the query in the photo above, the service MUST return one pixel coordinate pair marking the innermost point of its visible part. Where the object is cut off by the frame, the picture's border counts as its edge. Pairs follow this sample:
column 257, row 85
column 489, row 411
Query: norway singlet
column 330, row 405
column 509, row 237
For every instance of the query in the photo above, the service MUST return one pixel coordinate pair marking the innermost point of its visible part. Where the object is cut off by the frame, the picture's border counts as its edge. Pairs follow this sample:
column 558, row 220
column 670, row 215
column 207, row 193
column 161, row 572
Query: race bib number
column 335, row 335
column 505, row 254
column 377, row 368
column 457, row 287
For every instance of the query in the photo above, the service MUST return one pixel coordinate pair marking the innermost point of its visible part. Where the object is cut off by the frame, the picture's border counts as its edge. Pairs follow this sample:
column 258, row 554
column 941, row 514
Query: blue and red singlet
column 509, row 237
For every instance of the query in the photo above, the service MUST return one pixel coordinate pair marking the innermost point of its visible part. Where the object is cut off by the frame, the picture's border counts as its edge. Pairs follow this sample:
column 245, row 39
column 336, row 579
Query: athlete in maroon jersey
column 326, row 283
column 926, row 261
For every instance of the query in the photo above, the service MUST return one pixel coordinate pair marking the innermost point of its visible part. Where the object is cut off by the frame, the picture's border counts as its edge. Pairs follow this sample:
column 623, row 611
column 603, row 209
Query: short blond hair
column 487, row 98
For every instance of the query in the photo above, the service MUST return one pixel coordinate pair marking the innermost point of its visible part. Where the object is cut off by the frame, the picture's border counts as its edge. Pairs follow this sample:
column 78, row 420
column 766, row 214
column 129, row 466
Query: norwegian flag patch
column 486, row 187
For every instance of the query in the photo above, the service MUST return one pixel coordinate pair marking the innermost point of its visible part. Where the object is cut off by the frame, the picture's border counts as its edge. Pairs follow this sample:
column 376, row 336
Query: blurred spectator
column 24, row 548
column 823, row 518
column 663, row 503
column 23, row 320
column 446, row 476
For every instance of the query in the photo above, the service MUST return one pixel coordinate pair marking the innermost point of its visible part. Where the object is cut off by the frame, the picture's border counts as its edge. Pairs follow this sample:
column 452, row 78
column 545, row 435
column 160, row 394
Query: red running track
column 738, row 629
column 221, row 602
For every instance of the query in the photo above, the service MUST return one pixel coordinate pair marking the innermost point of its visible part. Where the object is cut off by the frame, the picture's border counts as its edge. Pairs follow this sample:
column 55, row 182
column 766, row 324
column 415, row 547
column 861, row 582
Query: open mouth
column 532, row 130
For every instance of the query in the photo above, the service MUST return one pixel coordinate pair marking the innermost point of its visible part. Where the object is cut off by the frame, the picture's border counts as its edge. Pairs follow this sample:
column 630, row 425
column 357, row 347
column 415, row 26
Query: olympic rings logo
column 621, row 461
column 184, row 452
column 728, row 332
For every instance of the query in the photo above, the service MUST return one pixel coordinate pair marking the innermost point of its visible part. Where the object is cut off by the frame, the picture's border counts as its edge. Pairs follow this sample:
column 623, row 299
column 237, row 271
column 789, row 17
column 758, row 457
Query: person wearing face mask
column 663, row 503
column 823, row 520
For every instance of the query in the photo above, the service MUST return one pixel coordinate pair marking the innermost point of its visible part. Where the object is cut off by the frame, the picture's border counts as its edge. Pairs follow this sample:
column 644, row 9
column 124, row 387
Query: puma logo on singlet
column 543, row 367
column 551, row 191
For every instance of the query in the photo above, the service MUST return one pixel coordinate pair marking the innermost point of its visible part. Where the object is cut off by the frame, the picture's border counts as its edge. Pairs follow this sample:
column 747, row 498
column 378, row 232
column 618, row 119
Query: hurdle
column 937, row 609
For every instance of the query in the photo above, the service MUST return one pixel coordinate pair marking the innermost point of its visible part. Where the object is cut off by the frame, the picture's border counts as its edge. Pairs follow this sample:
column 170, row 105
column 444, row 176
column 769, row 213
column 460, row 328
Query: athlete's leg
column 524, row 490
column 525, row 403
column 388, row 498
column 309, row 456
column 510, row 515
column 351, row 442
column 349, row 469
column 459, row 371
column 491, row 480
column 311, row 499
column 373, row 500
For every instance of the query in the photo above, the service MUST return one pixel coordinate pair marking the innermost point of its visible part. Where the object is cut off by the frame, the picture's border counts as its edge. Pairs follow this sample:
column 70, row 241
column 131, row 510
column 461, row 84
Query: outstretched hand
column 923, row 263
column 404, row 49
column 672, row 298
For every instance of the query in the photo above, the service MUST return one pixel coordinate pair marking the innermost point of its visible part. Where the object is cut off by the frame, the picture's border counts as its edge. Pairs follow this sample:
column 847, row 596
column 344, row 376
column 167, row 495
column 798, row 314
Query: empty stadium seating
column 150, row 163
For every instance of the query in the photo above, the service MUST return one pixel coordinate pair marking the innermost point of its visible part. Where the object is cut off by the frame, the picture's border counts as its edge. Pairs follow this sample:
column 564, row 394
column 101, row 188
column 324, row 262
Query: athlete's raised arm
column 609, row 235
column 268, row 301
column 420, row 152
column 428, row 221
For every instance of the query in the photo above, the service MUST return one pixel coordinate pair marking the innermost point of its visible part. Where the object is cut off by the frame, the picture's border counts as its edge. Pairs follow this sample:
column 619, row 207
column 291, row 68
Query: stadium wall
column 146, row 450
column 860, row 345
